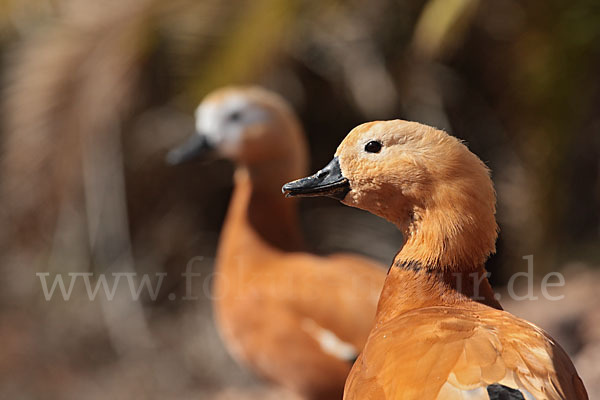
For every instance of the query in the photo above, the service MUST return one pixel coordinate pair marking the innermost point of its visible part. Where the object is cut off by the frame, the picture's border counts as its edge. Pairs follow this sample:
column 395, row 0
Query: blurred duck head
column 248, row 125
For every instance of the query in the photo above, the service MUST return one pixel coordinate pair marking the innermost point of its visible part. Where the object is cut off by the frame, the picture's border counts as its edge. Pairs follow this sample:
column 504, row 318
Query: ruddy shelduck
column 293, row 317
column 439, row 331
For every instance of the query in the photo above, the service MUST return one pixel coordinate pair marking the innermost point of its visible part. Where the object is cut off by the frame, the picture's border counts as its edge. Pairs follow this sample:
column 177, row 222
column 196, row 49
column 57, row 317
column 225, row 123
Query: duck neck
column 261, row 212
column 442, row 259
column 411, row 286
column 456, row 231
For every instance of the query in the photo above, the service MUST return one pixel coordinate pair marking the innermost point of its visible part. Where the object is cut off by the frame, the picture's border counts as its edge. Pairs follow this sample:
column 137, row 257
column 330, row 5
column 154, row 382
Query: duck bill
column 328, row 182
column 196, row 147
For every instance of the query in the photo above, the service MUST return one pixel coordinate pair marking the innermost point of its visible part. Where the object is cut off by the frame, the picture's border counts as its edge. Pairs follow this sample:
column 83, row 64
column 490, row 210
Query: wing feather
column 449, row 353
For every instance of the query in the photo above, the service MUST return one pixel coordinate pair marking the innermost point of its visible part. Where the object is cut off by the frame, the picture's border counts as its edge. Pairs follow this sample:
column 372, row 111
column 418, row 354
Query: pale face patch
column 225, row 122
column 329, row 342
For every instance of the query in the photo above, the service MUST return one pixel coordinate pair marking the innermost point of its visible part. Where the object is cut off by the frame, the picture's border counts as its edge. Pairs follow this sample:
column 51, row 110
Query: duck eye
column 373, row 146
column 235, row 116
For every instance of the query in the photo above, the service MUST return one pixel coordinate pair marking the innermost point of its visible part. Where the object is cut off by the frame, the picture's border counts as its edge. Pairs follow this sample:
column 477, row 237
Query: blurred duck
column 439, row 332
column 293, row 317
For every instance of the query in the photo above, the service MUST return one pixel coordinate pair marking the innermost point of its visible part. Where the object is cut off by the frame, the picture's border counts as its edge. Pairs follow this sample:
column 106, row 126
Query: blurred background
column 95, row 92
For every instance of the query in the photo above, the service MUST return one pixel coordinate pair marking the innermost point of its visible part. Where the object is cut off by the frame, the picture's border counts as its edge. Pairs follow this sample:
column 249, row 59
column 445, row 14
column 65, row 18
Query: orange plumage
column 291, row 316
column 439, row 332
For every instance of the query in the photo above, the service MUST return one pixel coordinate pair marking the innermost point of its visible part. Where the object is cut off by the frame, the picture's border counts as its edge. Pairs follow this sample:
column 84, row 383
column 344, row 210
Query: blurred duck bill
column 196, row 147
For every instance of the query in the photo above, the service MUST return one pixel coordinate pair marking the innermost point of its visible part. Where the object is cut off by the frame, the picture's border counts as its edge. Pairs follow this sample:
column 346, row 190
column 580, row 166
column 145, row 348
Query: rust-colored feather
column 475, row 346
column 439, row 332
column 290, row 316
column 271, row 303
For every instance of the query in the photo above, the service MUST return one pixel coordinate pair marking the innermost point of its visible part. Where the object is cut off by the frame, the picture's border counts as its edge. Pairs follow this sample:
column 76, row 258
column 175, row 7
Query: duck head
column 251, row 126
column 421, row 179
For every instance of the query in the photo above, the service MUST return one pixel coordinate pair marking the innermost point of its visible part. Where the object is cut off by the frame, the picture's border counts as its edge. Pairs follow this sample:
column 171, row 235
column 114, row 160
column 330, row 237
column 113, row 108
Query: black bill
column 327, row 182
column 195, row 147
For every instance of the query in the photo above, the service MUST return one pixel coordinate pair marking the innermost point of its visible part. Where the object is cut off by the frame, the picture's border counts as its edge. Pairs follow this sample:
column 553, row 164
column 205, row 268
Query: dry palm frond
column 442, row 26
column 68, row 93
